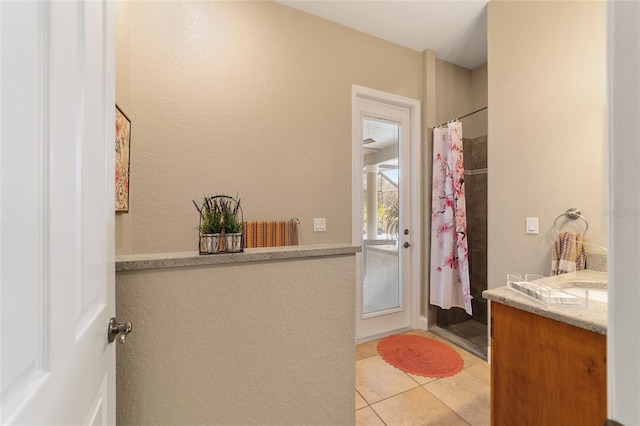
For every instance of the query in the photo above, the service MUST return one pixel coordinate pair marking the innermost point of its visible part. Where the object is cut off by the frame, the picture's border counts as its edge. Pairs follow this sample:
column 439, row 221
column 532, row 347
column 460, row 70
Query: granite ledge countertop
column 592, row 318
column 136, row 262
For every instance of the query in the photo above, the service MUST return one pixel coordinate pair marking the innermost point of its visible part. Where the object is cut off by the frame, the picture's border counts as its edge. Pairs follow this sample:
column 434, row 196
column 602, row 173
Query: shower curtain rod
column 466, row 115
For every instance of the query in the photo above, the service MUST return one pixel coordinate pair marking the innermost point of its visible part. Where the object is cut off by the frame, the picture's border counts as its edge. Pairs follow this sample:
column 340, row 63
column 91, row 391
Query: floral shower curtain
column 449, row 250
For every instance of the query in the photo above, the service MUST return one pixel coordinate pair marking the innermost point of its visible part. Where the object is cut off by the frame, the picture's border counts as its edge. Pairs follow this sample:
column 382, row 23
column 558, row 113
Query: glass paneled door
column 381, row 207
column 383, row 292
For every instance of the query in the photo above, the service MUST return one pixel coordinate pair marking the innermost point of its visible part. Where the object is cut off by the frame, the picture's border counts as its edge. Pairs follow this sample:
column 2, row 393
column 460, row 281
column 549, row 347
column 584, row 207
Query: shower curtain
column 449, row 250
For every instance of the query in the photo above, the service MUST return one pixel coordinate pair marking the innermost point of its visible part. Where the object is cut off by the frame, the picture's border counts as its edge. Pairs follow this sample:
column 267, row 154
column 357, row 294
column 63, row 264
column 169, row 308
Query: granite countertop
column 136, row 262
column 593, row 317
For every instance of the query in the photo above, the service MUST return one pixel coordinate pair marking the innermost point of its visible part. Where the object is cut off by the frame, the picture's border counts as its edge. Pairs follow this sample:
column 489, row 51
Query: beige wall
column 479, row 99
column 268, row 343
column 453, row 91
column 251, row 98
column 460, row 91
column 546, row 84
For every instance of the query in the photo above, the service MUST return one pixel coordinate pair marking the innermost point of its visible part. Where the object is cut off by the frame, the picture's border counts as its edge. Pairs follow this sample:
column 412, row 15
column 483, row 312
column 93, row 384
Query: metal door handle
column 406, row 245
column 120, row 330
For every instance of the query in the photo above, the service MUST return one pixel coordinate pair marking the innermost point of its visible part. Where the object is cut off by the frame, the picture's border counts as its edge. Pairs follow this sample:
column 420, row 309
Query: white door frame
column 623, row 348
column 415, row 250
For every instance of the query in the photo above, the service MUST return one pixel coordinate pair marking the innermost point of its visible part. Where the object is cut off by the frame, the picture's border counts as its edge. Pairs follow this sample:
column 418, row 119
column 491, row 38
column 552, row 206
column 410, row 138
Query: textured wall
column 243, row 97
column 254, row 343
column 460, row 91
column 546, row 127
column 479, row 99
column 453, row 92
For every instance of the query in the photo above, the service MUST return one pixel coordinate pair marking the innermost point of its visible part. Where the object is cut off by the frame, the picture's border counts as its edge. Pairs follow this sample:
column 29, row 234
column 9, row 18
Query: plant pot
column 209, row 243
column 233, row 243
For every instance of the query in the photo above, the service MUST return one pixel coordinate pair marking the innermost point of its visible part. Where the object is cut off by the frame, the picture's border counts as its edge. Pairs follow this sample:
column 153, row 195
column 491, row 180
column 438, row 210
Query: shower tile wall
column 476, row 199
column 475, row 158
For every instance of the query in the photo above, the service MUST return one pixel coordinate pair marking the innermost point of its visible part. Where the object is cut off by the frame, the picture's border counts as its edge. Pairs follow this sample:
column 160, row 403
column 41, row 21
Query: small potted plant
column 231, row 224
column 210, row 225
column 392, row 215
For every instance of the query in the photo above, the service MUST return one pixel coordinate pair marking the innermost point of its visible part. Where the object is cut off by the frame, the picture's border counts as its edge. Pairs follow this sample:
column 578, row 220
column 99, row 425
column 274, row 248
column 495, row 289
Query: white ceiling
column 455, row 29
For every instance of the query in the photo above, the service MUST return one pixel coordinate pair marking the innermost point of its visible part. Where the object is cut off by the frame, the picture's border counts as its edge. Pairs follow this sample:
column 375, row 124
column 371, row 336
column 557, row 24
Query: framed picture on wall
column 123, row 144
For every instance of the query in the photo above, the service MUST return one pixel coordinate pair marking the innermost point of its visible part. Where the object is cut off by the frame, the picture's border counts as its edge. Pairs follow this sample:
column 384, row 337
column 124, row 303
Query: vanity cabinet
column 545, row 372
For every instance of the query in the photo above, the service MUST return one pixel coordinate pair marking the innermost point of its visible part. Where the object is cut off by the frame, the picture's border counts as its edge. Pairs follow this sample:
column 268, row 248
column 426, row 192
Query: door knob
column 406, row 245
column 119, row 330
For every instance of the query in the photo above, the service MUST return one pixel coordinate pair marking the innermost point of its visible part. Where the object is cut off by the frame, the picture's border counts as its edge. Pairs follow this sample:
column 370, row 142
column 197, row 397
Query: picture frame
column 123, row 161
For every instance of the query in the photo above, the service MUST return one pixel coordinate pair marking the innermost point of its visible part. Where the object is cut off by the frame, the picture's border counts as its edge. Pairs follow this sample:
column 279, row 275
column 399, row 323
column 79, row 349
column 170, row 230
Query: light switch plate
column 319, row 224
column 532, row 225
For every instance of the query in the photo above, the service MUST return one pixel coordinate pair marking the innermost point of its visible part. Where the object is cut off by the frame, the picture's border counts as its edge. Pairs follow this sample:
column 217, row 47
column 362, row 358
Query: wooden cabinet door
column 545, row 372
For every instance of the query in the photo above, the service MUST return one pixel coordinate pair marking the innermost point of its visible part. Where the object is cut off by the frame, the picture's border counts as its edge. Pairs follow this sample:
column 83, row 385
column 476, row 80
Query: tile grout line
column 445, row 404
column 418, row 385
column 409, row 390
column 423, row 386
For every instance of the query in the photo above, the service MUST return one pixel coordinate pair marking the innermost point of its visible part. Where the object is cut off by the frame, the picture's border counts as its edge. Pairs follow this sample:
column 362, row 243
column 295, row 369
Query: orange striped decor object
column 271, row 233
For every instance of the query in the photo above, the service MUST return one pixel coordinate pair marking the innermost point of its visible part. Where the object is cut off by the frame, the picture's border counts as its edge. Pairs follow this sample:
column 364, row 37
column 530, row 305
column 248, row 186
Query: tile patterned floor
column 388, row 396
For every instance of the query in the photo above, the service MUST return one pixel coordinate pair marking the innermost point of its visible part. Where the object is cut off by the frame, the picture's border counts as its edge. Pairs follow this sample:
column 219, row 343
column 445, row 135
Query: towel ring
column 571, row 214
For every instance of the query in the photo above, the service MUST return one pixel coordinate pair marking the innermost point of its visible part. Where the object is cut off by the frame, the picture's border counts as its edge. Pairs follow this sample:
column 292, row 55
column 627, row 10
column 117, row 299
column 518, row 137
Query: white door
column 57, row 212
column 383, row 207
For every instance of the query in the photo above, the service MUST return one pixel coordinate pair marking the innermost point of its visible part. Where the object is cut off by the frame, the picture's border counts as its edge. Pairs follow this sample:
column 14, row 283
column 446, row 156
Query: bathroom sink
column 565, row 289
column 597, row 289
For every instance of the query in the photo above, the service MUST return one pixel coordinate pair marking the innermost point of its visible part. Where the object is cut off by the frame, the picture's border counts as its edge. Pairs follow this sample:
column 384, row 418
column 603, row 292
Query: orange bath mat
column 420, row 355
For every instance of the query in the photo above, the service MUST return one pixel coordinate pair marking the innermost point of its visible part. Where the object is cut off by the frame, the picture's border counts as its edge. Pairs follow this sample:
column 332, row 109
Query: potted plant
column 210, row 225
column 231, row 224
column 391, row 215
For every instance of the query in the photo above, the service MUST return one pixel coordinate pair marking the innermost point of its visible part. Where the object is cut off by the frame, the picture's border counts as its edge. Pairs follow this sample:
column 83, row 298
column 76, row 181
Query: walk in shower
column 454, row 324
